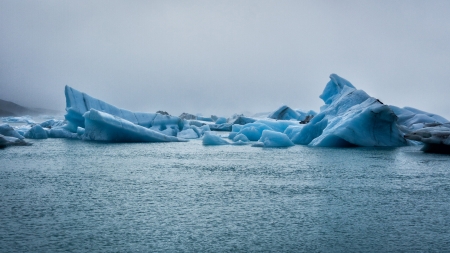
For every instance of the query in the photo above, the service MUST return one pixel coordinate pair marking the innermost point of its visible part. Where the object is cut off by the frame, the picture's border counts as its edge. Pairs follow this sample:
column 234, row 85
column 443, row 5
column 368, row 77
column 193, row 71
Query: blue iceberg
column 209, row 138
column 350, row 117
column 36, row 132
column 273, row 139
column 101, row 126
column 92, row 119
column 78, row 103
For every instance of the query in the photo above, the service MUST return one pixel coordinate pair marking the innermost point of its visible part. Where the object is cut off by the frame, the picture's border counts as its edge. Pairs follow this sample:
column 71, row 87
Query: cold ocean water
column 64, row 195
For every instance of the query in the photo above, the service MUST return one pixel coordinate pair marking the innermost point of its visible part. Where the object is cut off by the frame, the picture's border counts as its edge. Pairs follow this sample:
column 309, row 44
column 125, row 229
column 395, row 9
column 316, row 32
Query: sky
column 224, row 57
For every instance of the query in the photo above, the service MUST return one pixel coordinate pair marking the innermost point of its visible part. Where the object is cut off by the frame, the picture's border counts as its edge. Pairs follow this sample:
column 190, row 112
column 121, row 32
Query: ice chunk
column 7, row 130
column 272, row 139
column 6, row 141
column 101, row 126
column 242, row 120
column 293, row 130
column 253, row 131
column 436, row 138
column 209, row 138
column 221, row 120
column 188, row 134
column 411, row 119
column 350, row 117
column 220, row 127
column 60, row 132
column 278, row 125
column 36, row 132
column 78, row 103
column 201, row 118
column 241, row 138
column 52, row 123
column 284, row 113
column 334, row 88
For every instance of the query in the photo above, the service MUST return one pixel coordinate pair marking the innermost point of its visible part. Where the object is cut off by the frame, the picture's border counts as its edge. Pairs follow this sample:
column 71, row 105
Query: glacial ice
column 104, row 122
column 350, row 117
column 411, row 119
column 253, row 131
column 36, row 132
column 7, row 130
column 188, row 134
column 6, row 141
column 102, row 126
column 221, row 120
column 78, row 103
column 273, row 139
column 240, row 138
column 10, row 137
column 209, row 138
column 287, row 113
column 293, row 130
column 435, row 136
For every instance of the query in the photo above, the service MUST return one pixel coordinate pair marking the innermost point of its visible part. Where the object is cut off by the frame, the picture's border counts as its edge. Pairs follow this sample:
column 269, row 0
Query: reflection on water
column 63, row 195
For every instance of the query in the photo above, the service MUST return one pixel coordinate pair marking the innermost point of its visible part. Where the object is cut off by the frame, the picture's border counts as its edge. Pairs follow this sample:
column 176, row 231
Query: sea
column 61, row 195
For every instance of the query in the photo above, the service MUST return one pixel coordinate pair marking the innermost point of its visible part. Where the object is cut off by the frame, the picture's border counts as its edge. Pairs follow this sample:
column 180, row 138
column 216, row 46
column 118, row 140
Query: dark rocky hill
column 8, row 108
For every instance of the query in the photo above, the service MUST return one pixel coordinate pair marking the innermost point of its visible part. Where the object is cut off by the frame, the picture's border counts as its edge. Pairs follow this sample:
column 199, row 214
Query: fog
column 224, row 57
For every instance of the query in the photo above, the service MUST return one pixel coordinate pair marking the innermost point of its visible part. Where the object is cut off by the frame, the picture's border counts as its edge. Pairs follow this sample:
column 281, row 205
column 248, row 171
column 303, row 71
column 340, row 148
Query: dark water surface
column 62, row 195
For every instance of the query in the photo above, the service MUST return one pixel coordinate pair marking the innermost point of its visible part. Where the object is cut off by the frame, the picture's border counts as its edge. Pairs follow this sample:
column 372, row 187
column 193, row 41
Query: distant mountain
column 12, row 109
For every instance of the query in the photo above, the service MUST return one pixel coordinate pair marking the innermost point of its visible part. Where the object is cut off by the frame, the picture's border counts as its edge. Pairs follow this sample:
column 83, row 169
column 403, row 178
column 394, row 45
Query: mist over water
column 64, row 195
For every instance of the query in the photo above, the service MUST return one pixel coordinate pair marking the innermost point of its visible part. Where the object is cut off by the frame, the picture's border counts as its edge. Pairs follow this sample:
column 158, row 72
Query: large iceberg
column 101, row 126
column 350, row 117
column 78, row 103
column 104, row 122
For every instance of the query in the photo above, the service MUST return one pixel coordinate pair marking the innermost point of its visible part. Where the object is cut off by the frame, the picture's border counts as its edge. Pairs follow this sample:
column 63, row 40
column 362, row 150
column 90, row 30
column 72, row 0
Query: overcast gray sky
column 222, row 57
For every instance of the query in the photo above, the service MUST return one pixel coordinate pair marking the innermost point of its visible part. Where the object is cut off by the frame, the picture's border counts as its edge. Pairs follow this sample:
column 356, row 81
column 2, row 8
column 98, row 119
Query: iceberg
column 242, row 120
column 273, row 139
column 435, row 137
column 78, row 103
column 209, row 138
column 36, row 132
column 104, row 122
column 188, row 134
column 411, row 119
column 221, row 120
column 284, row 113
column 7, row 130
column 350, row 117
column 287, row 113
column 102, row 126
column 6, row 141
column 221, row 127
column 253, row 131
column 10, row 137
